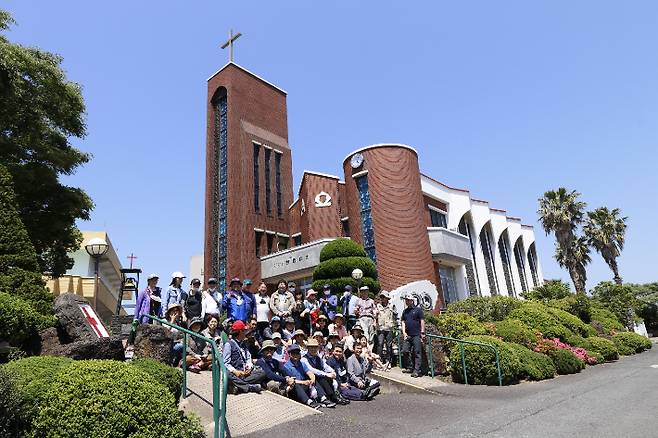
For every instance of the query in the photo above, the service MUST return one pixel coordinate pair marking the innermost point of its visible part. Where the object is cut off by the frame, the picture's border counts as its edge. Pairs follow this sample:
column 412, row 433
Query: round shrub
column 109, row 398
column 577, row 341
column 605, row 320
column 343, row 267
column 33, row 376
column 598, row 356
column 539, row 317
column 566, row 362
column 459, row 325
column 536, row 366
column 486, row 309
column 19, row 321
column 14, row 420
column 481, row 362
column 513, row 330
column 605, row 347
column 338, row 284
column 572, row 322
column 628, row 343
column 341, row 247
column 169, row 376
column 576, row 304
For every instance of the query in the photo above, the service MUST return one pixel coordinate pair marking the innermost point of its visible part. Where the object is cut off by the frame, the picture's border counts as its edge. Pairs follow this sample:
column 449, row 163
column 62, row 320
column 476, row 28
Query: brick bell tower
column 248, row 174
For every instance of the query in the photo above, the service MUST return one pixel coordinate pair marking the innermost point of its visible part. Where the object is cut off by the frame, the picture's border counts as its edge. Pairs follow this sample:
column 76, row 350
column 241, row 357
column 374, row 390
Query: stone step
column 394, row 380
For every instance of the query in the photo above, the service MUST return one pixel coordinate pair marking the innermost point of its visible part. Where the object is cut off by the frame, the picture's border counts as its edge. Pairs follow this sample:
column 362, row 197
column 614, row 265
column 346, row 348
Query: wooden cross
column 229, row 44
column 131, row 257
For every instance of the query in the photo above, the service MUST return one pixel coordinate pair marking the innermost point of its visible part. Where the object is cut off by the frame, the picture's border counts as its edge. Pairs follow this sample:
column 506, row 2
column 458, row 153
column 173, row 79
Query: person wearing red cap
column 243, row 377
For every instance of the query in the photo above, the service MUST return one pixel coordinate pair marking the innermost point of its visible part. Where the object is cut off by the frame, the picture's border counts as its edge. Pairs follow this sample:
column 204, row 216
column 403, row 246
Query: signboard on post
column 93, row 321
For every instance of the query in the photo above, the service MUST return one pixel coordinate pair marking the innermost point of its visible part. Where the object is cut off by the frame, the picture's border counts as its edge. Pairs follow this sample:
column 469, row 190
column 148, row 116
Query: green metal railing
column 219, row 375
column 461, row 342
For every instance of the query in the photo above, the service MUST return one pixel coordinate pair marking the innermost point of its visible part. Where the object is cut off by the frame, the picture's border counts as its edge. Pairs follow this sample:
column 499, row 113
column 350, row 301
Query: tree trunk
column 612, row 263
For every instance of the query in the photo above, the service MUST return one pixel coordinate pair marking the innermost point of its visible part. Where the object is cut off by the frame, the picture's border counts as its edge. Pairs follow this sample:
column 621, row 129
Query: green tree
column 605, row 231
column 560, row 212
column 19, row 270
column 575, row 259
column 550, row 290
column 40, row 110
column 619, row 299
column 337, row 261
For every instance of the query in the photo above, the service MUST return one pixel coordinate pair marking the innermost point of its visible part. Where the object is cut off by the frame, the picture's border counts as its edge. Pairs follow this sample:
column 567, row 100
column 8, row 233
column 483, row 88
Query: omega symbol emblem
column 322, row 199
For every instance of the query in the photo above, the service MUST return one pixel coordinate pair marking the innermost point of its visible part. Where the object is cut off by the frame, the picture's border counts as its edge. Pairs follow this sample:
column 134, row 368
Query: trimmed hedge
column 572, row 322
column 19, row 321
column 513, row 330
column 341, row 247
column 486, row 309
column 170, row 377
column 607, row 320
column 576, row 304
column 536, row 366
column 338, row 284
column 109, row 398
column 605, row 347
column 577, row 341
column 13, row 418
column 628, row 343
column 481, row 362
column 539, row 317
column 33, row 376
column 343, row 267
column 566, row 362
column 459, row 325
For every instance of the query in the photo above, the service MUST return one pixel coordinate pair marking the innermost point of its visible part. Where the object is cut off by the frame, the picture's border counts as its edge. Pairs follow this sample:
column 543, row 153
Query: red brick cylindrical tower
column 385, row 205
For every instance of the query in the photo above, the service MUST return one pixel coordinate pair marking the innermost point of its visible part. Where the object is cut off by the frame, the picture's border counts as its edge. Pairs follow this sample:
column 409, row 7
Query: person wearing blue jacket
column 277, row 381
column 174, row 294
column 239, row 305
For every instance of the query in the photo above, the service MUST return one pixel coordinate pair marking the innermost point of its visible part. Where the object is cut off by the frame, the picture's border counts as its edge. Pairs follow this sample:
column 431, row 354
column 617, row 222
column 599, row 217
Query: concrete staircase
column 246, row 413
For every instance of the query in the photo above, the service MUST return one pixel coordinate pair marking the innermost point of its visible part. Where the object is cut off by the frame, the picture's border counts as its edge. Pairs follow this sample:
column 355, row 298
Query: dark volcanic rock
column 72, row 322
column 153, row 341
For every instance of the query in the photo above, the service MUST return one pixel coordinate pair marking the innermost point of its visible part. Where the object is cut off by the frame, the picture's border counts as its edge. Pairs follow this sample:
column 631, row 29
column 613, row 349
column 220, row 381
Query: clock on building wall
column 356, row 161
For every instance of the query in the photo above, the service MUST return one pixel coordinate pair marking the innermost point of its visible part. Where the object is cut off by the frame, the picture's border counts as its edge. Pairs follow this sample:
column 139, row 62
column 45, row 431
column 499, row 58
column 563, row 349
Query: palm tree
column 605, row 231
column 578, row 257
column 560, row 212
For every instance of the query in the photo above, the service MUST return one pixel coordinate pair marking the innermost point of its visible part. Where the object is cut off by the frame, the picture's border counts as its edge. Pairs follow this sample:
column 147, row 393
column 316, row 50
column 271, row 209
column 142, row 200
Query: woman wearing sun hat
column 174, row 293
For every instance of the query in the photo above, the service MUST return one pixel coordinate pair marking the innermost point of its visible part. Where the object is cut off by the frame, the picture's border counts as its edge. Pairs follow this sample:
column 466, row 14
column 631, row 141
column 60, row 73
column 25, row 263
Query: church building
column 415, row 228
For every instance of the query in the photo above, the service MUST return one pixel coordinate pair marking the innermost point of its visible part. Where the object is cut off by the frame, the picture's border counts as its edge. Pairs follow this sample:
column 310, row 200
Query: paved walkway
column 396, row 376
column 246, row 413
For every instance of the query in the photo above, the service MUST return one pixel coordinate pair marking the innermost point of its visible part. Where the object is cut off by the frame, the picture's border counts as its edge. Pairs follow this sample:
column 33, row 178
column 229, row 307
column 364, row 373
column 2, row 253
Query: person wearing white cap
column 413, row 333
column 174, row 293
column 366, row 310
column 148, row 301
column 312, row 305
column 387, row 321
column 211, row 300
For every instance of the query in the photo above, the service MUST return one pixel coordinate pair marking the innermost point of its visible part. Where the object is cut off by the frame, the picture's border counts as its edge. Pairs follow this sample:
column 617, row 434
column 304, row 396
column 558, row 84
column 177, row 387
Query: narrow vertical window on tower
column 259, row 239
column 270, row 243
column 367, row 230
column 221, row 144
column 256, row 177
column 532, row 261
column 277, row 167
column 268, row 200
column 520, row 264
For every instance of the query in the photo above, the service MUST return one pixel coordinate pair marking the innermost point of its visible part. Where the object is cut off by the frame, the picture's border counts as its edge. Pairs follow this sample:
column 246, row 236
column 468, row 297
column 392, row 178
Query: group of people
column 290, row 341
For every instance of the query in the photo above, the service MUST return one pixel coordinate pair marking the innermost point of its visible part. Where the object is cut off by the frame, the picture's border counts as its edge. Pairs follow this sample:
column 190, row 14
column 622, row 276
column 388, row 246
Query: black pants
column 260, row 329
column 256, row 377
column 325, row 387
column 301, row 393
column 414, row 346
column 385, row 345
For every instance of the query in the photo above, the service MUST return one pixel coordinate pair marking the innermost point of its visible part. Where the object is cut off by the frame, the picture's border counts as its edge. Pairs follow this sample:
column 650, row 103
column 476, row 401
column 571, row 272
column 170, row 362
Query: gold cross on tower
column 229, row 44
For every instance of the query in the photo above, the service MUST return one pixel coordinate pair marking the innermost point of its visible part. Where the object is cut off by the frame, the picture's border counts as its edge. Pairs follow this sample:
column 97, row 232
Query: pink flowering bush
column 547, row 346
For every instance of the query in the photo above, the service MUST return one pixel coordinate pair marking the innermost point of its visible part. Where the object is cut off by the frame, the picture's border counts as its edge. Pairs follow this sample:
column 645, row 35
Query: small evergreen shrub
column 605, row 320
column 459, row 325
column 572, row 322
column 576, row 304
column 539, row 317
column 19, row 321
column 628, row 343
column 169, row 376
column 550, row 290
column 605, row 347
column 109, row 398
column 577, row 341
column 536, row 366
column 341, row 247
column 513, row 330
column 481, row 362
column 565, row 361
column 598, row 356
column 486, row 309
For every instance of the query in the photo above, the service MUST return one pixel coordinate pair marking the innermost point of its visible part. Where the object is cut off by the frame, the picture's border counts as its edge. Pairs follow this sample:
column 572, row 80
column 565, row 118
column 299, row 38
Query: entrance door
column 448, row 284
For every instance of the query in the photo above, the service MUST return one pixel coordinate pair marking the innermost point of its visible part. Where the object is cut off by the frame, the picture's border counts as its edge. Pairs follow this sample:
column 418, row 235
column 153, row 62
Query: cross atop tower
column 229, row 43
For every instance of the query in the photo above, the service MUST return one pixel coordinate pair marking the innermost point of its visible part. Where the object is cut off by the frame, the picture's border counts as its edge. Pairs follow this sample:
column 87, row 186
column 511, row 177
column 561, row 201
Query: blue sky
column 508, row 99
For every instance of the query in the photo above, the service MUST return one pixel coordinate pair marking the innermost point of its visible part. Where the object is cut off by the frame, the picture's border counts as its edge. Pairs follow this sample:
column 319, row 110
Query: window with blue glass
column 367, row 230
column 268, row 200
column 256, row 177
column 277, row 167
column 438, row 218
column 221, row 144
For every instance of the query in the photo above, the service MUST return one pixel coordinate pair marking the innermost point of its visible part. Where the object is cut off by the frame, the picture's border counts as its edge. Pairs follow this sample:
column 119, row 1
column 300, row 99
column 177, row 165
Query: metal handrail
column 218, row 400
column 461, row 352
